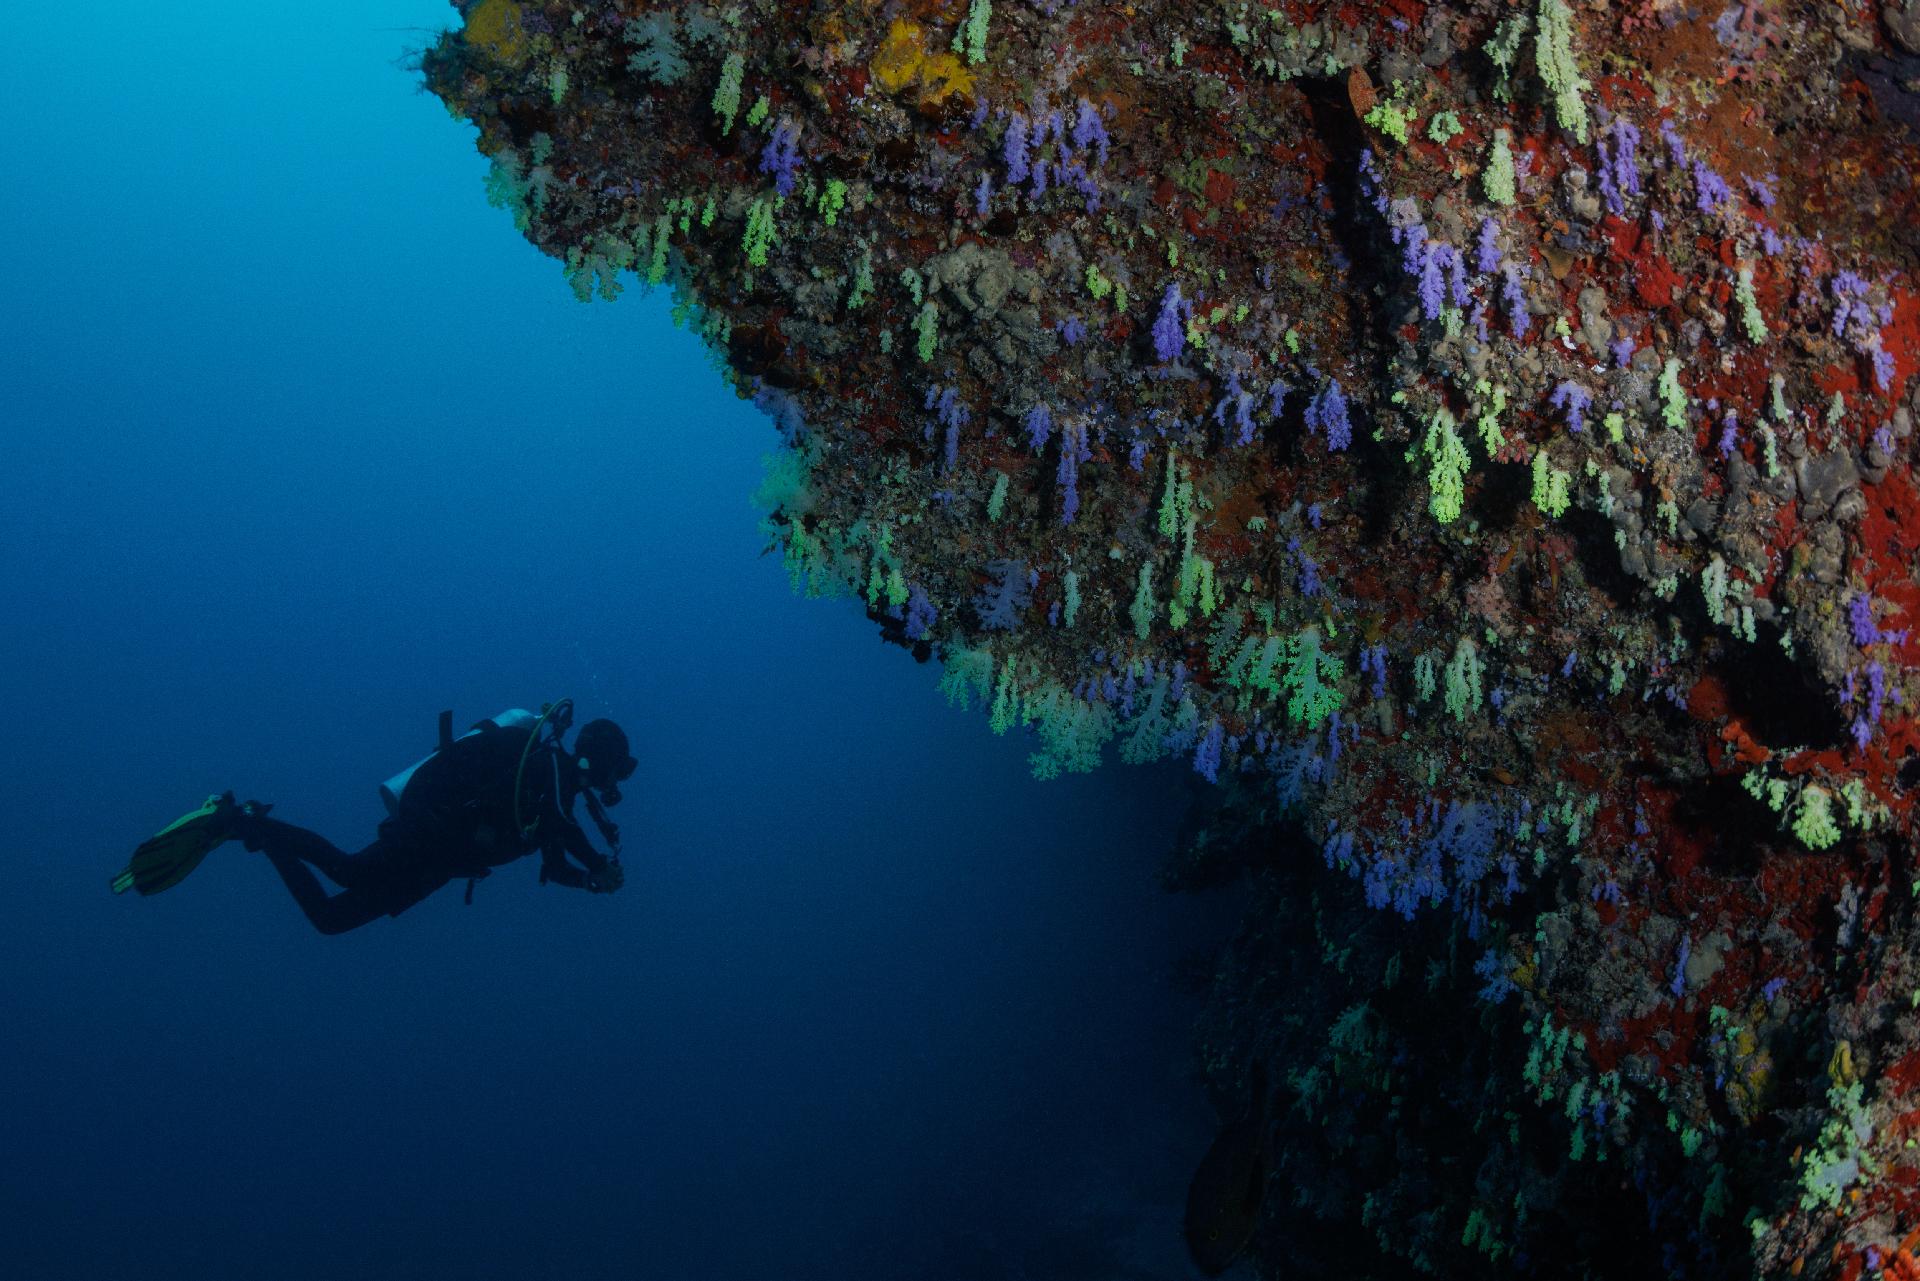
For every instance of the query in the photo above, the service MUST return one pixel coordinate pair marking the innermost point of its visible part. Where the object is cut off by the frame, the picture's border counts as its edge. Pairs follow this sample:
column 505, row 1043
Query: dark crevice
column 1362, row 242
column 1599, row 558
column 1781, row 703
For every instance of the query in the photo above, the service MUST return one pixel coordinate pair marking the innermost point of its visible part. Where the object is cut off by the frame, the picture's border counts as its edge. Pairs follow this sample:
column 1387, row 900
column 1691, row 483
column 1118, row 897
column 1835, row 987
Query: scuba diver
column 502, row 790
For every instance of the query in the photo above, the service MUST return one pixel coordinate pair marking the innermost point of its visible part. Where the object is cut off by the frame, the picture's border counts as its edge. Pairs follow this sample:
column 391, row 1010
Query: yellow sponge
column 494, row 26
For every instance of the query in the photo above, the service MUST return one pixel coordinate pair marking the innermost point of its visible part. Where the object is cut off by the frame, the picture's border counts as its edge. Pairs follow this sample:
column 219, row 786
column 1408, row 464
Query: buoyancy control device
column 515, row 718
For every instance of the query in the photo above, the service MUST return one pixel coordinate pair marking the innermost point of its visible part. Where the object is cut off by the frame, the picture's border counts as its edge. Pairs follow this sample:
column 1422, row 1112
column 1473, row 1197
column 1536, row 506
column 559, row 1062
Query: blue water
column 300, row 443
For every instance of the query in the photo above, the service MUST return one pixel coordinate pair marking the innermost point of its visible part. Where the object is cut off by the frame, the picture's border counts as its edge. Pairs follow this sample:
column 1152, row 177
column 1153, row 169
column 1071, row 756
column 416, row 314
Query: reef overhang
column 1478, row 437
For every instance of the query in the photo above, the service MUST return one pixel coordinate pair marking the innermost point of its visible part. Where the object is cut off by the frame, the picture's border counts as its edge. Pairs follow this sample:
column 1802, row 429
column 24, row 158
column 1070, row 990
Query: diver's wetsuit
column 455, row 821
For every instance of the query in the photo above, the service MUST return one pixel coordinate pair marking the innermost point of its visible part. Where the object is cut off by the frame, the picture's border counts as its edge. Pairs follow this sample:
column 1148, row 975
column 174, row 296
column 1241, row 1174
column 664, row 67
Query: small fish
column 1224, row 1199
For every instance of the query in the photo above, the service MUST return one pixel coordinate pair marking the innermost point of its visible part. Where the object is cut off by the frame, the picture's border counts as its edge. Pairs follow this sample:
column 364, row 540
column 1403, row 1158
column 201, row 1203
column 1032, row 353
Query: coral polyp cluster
column 1478, row 438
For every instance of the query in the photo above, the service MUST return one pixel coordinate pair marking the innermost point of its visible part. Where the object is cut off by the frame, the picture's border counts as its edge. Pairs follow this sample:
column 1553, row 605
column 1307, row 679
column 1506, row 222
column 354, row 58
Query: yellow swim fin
column 164, row 859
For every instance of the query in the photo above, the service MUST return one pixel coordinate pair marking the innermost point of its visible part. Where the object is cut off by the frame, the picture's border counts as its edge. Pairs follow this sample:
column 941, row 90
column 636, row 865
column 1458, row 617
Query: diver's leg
column 368, row 886
column 384, row 879
column 348, row 871
column 330, row 914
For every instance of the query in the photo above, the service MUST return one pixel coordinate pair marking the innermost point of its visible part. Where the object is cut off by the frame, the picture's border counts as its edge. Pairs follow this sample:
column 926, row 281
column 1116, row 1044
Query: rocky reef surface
column 1479, row 437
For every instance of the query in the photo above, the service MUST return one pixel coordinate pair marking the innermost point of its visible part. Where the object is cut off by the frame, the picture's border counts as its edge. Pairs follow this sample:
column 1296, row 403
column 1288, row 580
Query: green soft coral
column 1312, row 680
column 1447, row 471
column 1553, row 54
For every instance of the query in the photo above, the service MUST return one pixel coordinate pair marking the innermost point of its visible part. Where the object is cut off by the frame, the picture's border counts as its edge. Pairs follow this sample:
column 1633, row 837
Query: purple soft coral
column 1574, row 399
column 1073, row 452
column 1013, row 149
column 781, row 157
column 1168, row 333
column 1327, row 413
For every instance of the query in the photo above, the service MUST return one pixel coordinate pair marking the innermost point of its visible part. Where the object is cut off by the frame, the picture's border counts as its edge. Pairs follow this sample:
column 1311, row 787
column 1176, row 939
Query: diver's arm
column 601, row 873
column 555, row 868
column 562, row 836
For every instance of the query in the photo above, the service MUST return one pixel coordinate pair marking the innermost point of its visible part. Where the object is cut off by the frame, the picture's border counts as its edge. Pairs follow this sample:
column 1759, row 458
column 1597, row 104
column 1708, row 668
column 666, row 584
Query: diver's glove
column 608, row 879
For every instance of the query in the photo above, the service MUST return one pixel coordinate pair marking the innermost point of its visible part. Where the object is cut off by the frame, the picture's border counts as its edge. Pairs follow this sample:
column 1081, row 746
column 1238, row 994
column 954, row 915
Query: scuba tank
column 516, row 718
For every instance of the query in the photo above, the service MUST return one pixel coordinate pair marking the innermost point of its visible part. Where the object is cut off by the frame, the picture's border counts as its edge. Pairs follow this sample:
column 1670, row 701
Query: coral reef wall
column 1478, row 436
